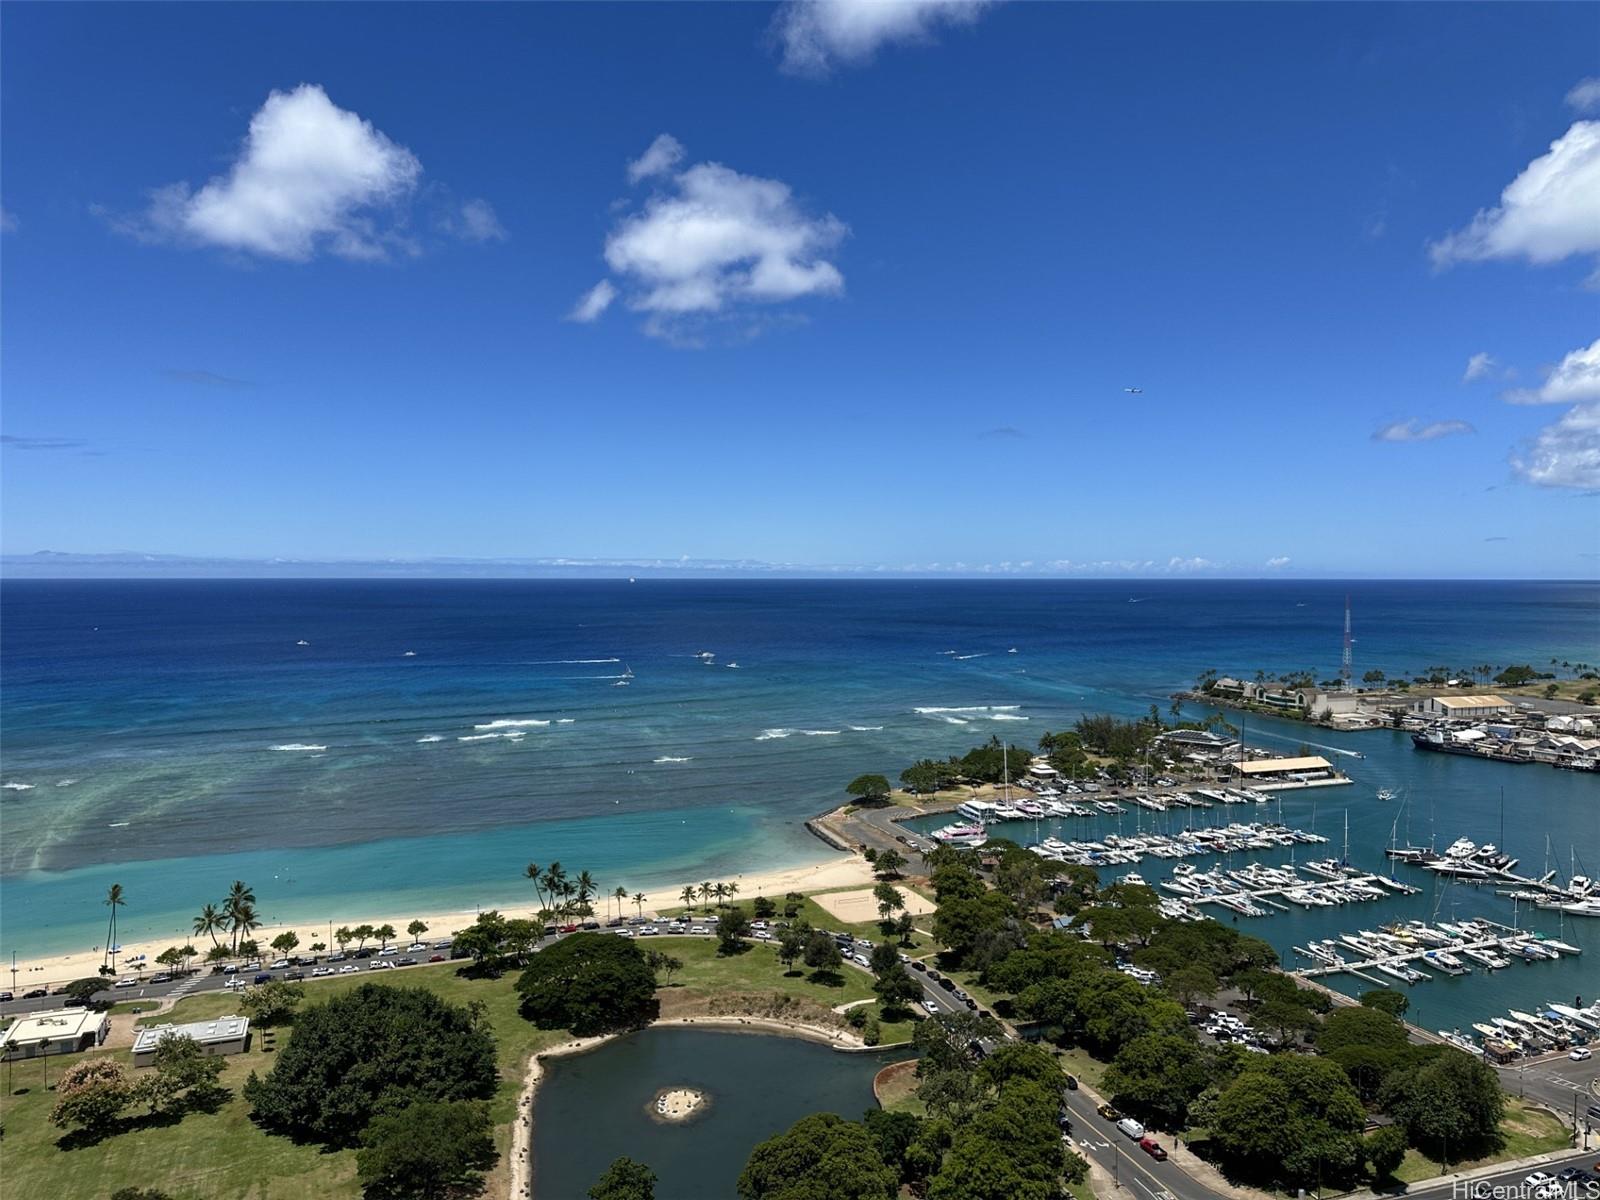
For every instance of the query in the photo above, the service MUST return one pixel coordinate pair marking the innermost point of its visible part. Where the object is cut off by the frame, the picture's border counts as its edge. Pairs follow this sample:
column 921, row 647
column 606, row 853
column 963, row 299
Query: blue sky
column 874, row 298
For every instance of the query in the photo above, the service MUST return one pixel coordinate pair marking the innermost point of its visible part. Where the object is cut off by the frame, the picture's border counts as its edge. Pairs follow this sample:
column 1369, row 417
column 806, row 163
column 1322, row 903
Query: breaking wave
column 673, row 758
column 300, row 746
column 513, row 723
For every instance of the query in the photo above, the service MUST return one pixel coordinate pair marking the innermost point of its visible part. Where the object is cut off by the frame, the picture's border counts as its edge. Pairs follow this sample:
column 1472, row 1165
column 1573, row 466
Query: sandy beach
column 838, row 872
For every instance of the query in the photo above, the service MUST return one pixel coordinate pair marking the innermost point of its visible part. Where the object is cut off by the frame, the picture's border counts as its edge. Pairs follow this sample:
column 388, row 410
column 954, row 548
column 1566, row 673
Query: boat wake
column 513, row 723
column 300, row 746
column 673, row 758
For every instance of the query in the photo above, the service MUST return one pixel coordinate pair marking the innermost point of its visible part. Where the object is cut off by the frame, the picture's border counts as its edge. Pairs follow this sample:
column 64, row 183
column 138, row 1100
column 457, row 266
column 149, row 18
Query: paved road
column 1560, row 1083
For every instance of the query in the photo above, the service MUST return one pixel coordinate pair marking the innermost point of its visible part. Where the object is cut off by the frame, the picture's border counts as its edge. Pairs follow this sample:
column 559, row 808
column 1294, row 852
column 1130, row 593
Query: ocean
column 366, row 748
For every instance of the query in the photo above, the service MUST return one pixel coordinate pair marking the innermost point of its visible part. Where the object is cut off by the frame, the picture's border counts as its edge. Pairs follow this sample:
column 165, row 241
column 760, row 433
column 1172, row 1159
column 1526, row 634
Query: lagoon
column 592, row 1108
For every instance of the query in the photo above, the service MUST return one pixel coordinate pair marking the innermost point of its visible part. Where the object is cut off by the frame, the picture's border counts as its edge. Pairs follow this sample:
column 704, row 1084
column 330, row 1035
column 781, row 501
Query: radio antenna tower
column 1344, row 668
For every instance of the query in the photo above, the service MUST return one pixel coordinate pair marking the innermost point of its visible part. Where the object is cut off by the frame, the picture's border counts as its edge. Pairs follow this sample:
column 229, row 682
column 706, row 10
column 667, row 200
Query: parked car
column 1109, row 1113
column 34, row 993
column 294, row 976
column 381, row 964
column 389, row 951
column 319, row 972
column 930, row 1006
column 126, row 983
column 407, row 961
column 417, row 947
column 5, row 996
column 349, row 969
column 261, row 977
column 1579, row 1054
column 161, row 978
column 1153, row 1148
column 1131, row 1128
column 338, row 957
column 1539, row 1179
column 1072, row 1083
column 918, row 965
column 280, row 964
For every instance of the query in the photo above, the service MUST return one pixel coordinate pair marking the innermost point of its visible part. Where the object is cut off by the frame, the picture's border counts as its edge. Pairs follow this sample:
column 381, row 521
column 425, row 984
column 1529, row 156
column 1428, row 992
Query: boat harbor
column 1400, row 950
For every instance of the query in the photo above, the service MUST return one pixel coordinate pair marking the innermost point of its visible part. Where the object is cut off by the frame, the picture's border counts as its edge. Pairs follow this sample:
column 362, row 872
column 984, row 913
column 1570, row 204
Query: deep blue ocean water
column 143, row 725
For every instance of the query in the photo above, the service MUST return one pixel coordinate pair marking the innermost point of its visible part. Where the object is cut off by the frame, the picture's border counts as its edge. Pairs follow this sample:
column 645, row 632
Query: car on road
column 1109, row 1112
column 1072, row 1083
column 649, row 931
column 380, row 964
column 948, row 984
column 280, row 964
column 1538, row 1179
column 918, row 965
column 1579, row 1054
column 294, row 976
column 931, row 1007
column 698, row 929
column 230, row 969
column 389, row 951
column 161, row 978
column 435, row 958
column 417, row 947
column 408, row 961
column 126, row 983
column 340, row 956
column 1573, row 1175
column 235, row 982
column 1153, row 1148
column 264, row 977
column 5, row 996
column 34, row 993
column 1131, row 1128
column 319, row 972
column 349, row 969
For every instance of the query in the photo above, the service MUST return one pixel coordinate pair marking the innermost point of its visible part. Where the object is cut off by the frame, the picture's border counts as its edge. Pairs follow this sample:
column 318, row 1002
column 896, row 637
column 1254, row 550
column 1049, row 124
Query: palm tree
column 586, row 889
column 533, row 874
column 621, row 897
column 720, row 891
column 733, row 890
column 242, row 922
column 706, row 892
column 638, row 899
column 210, row 921
column 240, row 896
column 555, row 881
column 114, row 900
column 688, row 895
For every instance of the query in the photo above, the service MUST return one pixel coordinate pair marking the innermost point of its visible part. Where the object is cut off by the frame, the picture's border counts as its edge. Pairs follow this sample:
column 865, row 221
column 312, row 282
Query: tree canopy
column 625, row 1179
column 371, row 1052
column 868, row 788
column 589, row 983
column 426, row 1151
column 820, row 1157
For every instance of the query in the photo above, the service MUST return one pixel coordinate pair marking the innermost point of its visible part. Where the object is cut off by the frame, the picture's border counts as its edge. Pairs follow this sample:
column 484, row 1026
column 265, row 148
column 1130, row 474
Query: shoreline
column 836, row 871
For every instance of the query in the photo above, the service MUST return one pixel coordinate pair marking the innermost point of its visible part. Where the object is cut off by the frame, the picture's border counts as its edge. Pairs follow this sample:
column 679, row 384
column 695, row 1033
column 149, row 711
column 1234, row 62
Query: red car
column 436, row 958
column 1153, row 1148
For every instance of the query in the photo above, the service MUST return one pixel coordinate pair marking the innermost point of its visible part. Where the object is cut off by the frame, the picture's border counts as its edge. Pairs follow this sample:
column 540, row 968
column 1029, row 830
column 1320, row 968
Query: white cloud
column 1278, row 562
column 817, row 35
column 310, row 177
column 8, row 221
column 1549, row 212
column 1480, row 366
column 662, row 155
column 711, row 241
column 477, row 222
column 1585, row 95
column 1414, row 431
column 1565, row 454
column 1175, row 563
column 593, row 302
column 1574, row 380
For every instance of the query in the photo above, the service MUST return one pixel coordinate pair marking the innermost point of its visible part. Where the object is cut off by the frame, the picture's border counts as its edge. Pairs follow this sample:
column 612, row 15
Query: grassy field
column 820, row 918
column 706, row 974
column 208, row 1155
column 896, row 1087
column 1526, row 1131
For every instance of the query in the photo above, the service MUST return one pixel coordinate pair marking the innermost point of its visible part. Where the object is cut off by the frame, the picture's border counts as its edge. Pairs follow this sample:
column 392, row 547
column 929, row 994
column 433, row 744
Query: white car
column 1580, row 1054
column 416, row 947
column 699, row 929
column 126, row 983
column 235, row 983
column 349, row 969
column 389, row 950
column 282, row 962
column 1539, row 1179
column 380, row 965
column 930, row 1006
column 318, row 972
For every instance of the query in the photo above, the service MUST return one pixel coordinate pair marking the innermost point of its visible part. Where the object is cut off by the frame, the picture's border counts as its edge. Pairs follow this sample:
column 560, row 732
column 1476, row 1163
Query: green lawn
column 1077, row 1061
column 224, row 1154
column 1526, row 1131
column 758, row 970
column 820, row 918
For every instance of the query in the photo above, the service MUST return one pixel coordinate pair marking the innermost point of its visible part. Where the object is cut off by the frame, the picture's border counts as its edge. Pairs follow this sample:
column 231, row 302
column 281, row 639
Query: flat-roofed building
column 1462, row 708
column 1268, row 774
column 225, row 1035
column 60, row 1031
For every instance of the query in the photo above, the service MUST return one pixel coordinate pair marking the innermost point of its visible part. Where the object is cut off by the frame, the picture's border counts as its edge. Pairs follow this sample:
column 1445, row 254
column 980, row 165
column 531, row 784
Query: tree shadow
column 207, row 1102
column 826, row 977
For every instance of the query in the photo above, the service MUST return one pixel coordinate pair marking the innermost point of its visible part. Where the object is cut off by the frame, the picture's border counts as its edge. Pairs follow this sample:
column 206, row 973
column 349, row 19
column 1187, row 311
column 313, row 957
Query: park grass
column 207, row 1155
column 818, row 917
column 896, row 1089
column 1525, row 1131
column 1088, row 1069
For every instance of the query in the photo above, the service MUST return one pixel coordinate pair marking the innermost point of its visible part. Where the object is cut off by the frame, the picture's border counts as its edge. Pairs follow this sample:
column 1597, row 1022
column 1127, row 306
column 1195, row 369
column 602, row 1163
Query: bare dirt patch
column 863, row 905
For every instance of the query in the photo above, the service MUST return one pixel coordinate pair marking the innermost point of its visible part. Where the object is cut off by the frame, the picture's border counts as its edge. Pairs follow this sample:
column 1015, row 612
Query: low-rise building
column 1462, row 708
column 1268, row 774
column 225, row 1035
column 59, row 1031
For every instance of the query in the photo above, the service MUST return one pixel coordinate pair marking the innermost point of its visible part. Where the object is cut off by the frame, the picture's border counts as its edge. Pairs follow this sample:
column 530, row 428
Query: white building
column 225, row 1035
column 1273, row 774
column 1462, row 708
column 60, row 1031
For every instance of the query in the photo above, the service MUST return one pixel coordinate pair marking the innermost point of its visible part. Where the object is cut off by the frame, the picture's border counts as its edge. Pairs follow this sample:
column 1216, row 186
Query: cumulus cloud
column 660, row 157
column 1414, row 430
column 1196, row 563
column 1565, row 454
column 593, row 302
column 477, row 222
column 817, row 35
column 710, row 242
column 1480, row 366
column 1574, row 380
column 1585, row 95
column 1278, row 561
column 310, row 177
column 1549, row 212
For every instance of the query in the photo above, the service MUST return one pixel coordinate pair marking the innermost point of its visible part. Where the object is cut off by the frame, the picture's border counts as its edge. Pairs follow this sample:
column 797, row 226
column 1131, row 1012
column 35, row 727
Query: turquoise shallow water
column 140, row 721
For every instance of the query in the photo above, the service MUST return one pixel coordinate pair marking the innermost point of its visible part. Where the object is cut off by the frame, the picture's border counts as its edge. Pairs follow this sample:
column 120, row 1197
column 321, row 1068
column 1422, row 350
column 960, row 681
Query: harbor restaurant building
column 1462, row 708
column 225, row 1035
column 1269, row 773
column 60, row 1031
